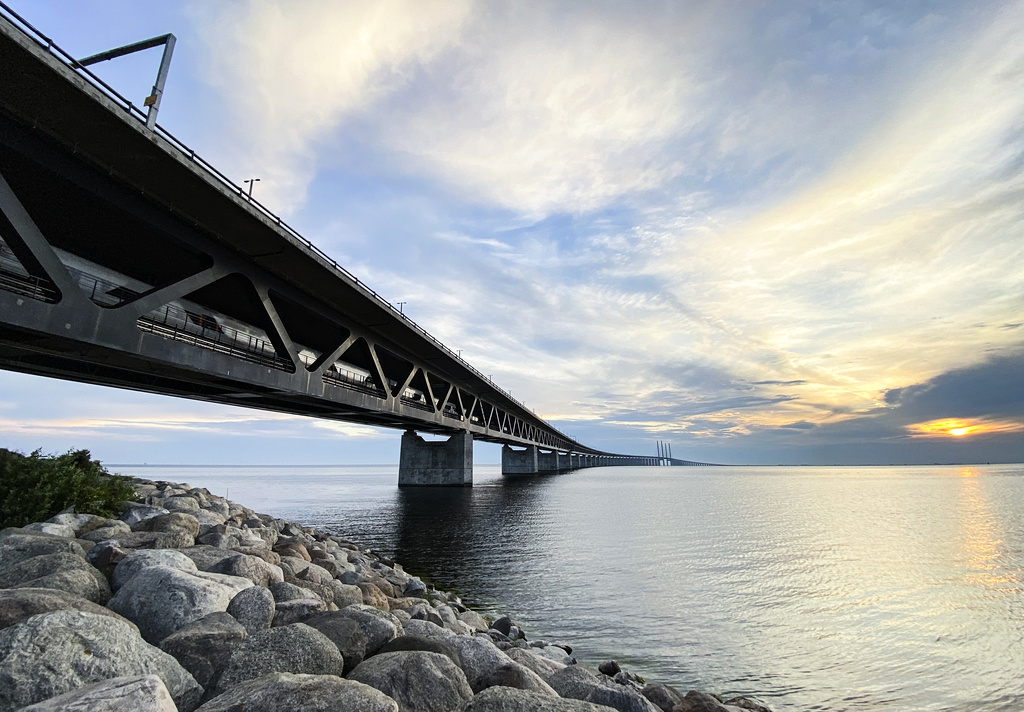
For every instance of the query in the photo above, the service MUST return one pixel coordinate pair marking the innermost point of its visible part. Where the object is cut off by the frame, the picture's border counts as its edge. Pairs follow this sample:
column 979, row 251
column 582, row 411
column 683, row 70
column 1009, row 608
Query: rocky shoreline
column 189, row 601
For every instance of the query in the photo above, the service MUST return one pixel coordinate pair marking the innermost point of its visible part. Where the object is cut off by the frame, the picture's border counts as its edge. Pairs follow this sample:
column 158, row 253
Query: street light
column 250, row 182
column 400, row 305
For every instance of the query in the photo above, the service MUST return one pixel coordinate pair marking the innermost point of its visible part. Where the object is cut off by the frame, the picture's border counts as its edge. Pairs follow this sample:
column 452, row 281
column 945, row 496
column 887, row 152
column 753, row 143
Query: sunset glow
column 958, row 428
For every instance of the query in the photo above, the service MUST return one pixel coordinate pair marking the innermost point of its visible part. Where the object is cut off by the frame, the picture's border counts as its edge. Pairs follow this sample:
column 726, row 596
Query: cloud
column 291, row 72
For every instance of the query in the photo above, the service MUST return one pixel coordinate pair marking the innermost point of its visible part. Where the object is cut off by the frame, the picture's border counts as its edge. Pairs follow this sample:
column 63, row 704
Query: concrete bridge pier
column 548, row 461
column 447, row 463
column 519, row 462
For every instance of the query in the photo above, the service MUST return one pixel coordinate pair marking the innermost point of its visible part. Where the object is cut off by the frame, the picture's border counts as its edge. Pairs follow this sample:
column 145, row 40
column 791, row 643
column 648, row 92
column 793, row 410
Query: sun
column 959, row 431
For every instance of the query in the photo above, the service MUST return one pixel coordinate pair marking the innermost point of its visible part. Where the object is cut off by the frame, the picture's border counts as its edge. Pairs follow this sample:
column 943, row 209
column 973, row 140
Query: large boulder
column 134, row 512
column 62, row 571
column 53, row 653
column 281, row 691
column 110, row 530
column 295, row 648
column 161, row 600
column 296, row 610
column 18, row 544
column 664, row 696
column 416, row 642
column 140, row 693
column 136, row 561
column 418, row 681
column 539, row 664
column 250, row 567
column 18, row 604
column 507, row 699
column 578, row 683
column 253, row 607
column 155, row 540
column 514, row 675
column 79, row 523
column 379, row 627
column 173, row 522
column 480, row 658
column 345, row 633
column 204, row 646
column 427, row 629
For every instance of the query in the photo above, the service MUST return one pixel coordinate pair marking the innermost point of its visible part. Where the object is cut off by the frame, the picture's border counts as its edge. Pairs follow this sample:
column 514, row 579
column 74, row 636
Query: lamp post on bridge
column 250, row 182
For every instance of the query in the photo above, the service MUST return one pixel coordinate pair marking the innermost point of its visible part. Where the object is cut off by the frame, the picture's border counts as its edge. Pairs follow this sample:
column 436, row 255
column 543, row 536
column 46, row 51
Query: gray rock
column 207, row 520
column 335, row 568
column 480, row 657
column 111, row 530
column 281, row 691
column 80, row 523
column 474, row 620
column 544, row 667
column 695, row 701
column 249, row 567
column 181, row 503
column 424, row 612
column 507, row 699
column 428, row 645
column 155, row 540
column 379, row 627
column 173, row 522
column 140, row 693
column 284, row 591
column 204, row 646
column 53, row 653
column 417, row 681
column 62, row 530
column 136, row 561
column 63, row 572
column 426, row 629
column 578, row 683
column 514, row 675
column 746, row 703
column 206, row 557
column 134, row 512
column 503, row 625
column 295, row 648
column 664, row 696
column 254, row 608
column 345, row 633
column 296, row 610
column 18, row 604
column 344, row 594
column 17, row 545
column 161, row 600
column 609, row 668
column 554, row 653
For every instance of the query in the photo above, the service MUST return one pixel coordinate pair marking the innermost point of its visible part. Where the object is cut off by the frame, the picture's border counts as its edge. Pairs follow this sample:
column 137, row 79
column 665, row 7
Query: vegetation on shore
column 35, row 487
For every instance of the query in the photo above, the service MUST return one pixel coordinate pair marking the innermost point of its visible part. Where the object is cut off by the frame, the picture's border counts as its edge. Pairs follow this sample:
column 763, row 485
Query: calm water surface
column 877, row 588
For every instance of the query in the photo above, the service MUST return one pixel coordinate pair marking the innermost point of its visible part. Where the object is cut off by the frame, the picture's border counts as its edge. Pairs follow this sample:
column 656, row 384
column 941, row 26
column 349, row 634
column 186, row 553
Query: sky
column 766, row 232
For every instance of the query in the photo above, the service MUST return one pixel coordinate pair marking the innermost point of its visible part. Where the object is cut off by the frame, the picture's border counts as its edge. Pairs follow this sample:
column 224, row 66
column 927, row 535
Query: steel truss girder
column 78, row 339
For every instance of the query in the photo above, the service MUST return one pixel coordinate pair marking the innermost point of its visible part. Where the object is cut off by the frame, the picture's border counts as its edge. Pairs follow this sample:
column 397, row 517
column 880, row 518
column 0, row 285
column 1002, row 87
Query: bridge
column 127, row 260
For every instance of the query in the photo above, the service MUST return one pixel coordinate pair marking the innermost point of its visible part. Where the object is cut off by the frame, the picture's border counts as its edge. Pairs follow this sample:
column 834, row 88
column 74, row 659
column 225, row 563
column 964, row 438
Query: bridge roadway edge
column 76, row 138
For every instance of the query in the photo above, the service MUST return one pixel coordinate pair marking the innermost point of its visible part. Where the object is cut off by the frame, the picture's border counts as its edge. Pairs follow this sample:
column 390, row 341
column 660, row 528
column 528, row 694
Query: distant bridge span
column 126, row 260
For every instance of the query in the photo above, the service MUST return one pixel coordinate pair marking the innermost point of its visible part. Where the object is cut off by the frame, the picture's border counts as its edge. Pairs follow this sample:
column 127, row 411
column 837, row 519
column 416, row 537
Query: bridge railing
column 54, row 49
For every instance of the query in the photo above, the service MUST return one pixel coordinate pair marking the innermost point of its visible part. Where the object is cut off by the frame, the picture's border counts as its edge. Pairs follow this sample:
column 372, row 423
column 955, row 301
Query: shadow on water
column 457, row 537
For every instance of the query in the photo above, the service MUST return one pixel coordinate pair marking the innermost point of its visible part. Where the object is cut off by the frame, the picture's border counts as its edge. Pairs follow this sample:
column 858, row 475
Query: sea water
column 838, row 588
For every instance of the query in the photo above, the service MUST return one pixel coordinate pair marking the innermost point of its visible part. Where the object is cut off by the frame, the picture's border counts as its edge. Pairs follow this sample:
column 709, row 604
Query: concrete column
column 519, row 462
column 547, row 461
column 446, row 463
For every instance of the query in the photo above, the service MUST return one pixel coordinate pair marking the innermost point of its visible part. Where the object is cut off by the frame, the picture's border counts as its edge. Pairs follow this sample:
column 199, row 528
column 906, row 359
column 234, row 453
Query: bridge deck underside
column 102, row 284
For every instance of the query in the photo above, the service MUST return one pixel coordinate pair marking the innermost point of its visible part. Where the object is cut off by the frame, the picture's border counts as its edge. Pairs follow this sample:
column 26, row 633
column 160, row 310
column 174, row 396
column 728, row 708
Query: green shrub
column 33, row 488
